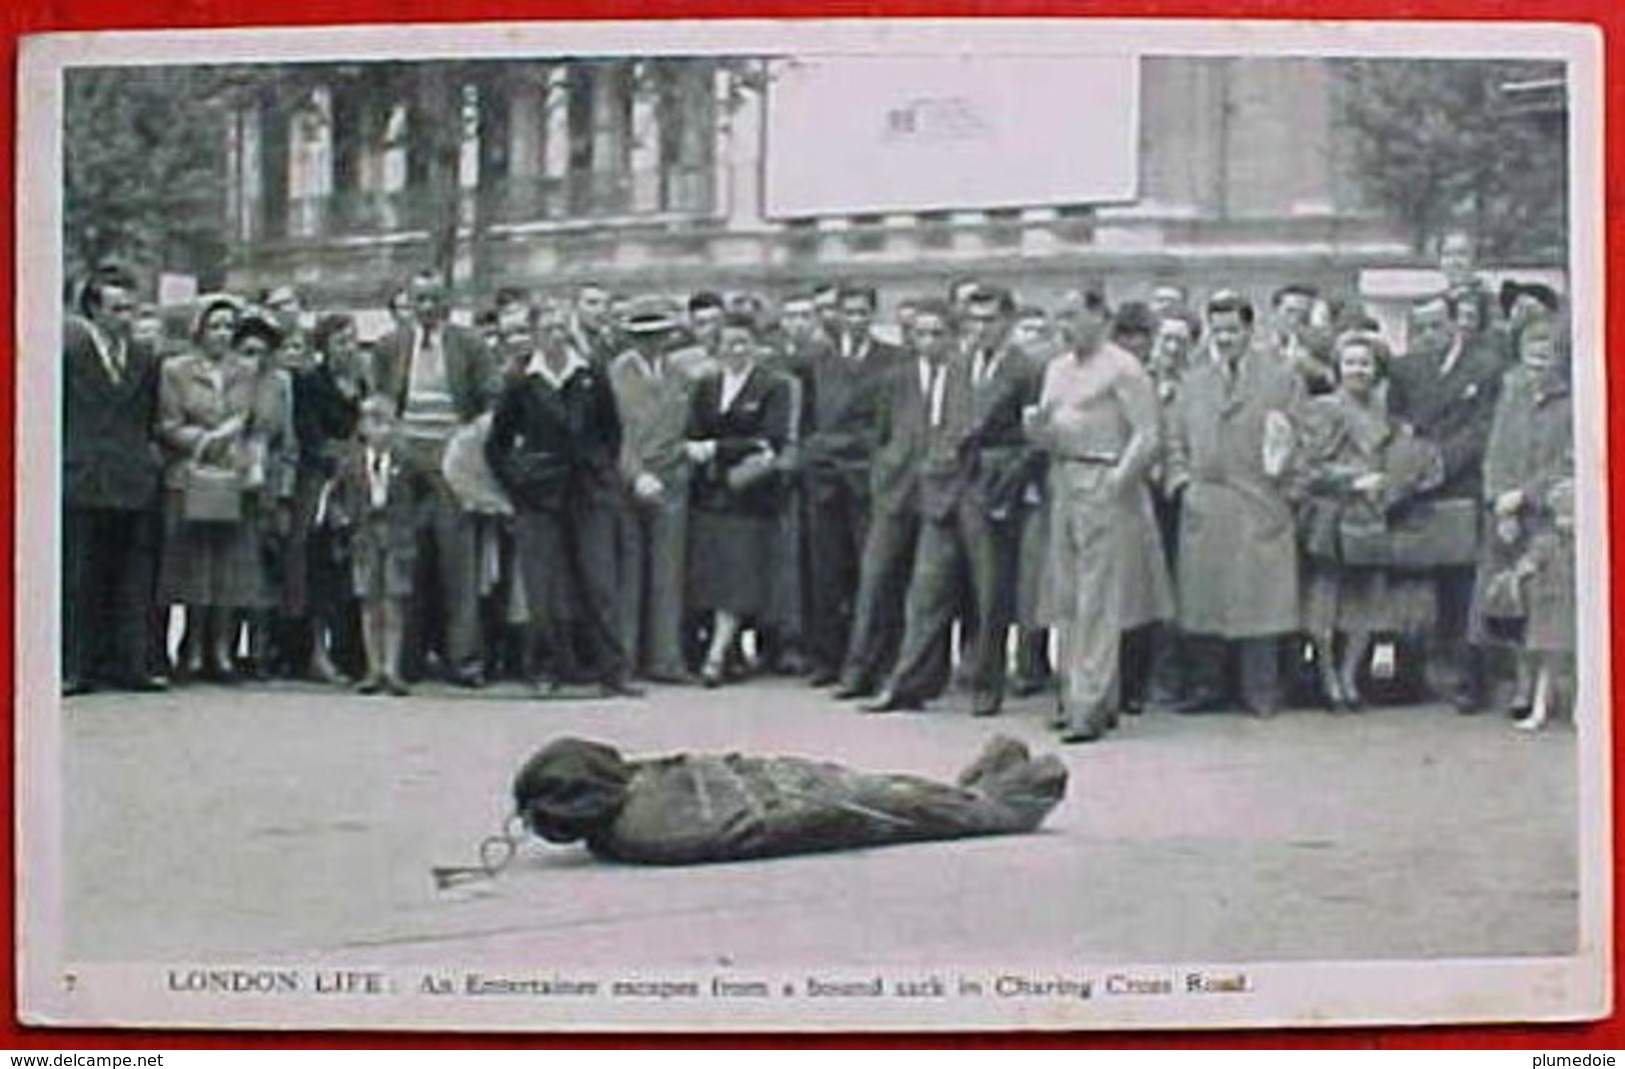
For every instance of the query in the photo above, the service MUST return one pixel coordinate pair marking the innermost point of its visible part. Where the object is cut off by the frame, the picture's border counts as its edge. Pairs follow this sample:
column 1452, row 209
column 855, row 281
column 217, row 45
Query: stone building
column 647, row 174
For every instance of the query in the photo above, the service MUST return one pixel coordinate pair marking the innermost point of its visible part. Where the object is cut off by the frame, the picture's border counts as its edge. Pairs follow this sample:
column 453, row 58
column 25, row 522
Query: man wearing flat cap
column 652, row 396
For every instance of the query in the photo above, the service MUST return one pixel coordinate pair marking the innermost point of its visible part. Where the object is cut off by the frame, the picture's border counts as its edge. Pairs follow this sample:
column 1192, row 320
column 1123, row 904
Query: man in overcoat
column 1229, row 445
column 441, row 377
column 110, row 483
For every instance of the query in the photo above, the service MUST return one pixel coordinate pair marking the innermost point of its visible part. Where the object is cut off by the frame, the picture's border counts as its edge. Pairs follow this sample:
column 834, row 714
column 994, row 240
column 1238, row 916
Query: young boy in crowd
column 376, row 494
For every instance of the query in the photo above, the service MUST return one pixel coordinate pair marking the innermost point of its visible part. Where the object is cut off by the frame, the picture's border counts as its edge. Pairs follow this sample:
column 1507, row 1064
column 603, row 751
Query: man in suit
column 441, row 377
column 904, row 395
column 842, row 395
column 110, row 516
column 972, row 475
column 652, row 396
column 856, row 338
column 1446, row 390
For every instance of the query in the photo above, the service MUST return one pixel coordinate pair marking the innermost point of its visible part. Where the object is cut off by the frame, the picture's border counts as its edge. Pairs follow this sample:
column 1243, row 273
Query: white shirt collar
column 1452, row 355
column 733, row 384
column 539, row 366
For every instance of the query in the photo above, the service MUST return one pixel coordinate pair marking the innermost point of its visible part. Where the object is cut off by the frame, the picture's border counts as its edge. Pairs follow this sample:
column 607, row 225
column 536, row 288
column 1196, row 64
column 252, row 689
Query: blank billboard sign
column 853, row 135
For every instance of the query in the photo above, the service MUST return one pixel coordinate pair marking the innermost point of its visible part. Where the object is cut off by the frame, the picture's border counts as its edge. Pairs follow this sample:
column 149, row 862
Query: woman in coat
column 1528, row 588
column 739, row 423
column 216, row 465
column 1358, row 460
column 326, row 405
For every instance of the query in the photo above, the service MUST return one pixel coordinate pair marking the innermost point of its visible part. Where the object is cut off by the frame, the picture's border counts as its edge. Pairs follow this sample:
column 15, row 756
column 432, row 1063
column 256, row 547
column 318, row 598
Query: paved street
column 274, row 823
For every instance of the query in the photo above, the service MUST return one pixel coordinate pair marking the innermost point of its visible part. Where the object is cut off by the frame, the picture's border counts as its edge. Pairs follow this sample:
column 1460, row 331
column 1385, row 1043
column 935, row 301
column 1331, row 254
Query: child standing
column 376, row 493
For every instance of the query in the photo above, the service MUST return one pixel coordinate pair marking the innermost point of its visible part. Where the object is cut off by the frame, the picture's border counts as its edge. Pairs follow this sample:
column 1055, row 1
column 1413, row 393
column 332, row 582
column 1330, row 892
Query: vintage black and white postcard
column 1068, row 524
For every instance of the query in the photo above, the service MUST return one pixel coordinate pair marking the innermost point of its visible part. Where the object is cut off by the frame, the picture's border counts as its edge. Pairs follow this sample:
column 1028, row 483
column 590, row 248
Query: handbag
column 1504, row 597
column 211, row 495
column 1426, row 534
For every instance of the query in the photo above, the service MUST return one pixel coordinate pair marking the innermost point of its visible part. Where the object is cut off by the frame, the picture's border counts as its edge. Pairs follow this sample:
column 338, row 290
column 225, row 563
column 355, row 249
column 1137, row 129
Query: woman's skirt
column 213, row 565
column 1338, row 598
column 732, row 562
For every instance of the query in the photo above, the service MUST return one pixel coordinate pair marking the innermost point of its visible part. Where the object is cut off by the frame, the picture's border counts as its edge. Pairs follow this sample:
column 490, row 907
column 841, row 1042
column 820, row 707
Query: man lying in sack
column 693, row 808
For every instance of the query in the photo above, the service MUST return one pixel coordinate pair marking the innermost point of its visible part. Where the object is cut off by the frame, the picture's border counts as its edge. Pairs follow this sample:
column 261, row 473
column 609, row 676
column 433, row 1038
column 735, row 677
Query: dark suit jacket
column 323, row 418
column 109, row 456
column 1453, row 411
column 549, row 444
column 471, row 371
column 980, row 451
column 761, row 413
column 843, row 401
column 901, row 416
column 392, row 529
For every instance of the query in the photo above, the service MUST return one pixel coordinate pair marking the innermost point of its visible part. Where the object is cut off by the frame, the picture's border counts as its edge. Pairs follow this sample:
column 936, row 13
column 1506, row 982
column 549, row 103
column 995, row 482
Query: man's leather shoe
column 673, row 678
column 468, row 678
column 887, row 702
column 823, row 679
column 153, row 684
column 985, row 706
column 1093, row 727
column 1027, row 686
column 619, row 688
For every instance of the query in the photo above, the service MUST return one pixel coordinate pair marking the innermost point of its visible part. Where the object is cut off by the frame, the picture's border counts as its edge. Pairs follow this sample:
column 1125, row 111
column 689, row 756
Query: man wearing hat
column 652, row 396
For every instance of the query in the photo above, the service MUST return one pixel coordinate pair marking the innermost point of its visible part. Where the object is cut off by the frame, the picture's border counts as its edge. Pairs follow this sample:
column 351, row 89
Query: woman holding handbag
column 1359, row 464
column 212, row 564
column 739, row 422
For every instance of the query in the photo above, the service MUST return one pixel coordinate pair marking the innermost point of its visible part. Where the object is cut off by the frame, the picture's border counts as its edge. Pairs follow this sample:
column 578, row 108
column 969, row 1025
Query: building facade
column 646, row 174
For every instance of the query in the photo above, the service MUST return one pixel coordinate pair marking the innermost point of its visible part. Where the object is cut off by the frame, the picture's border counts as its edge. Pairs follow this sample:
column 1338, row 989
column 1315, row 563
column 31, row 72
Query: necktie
column 935, row 398
column 380, row 489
